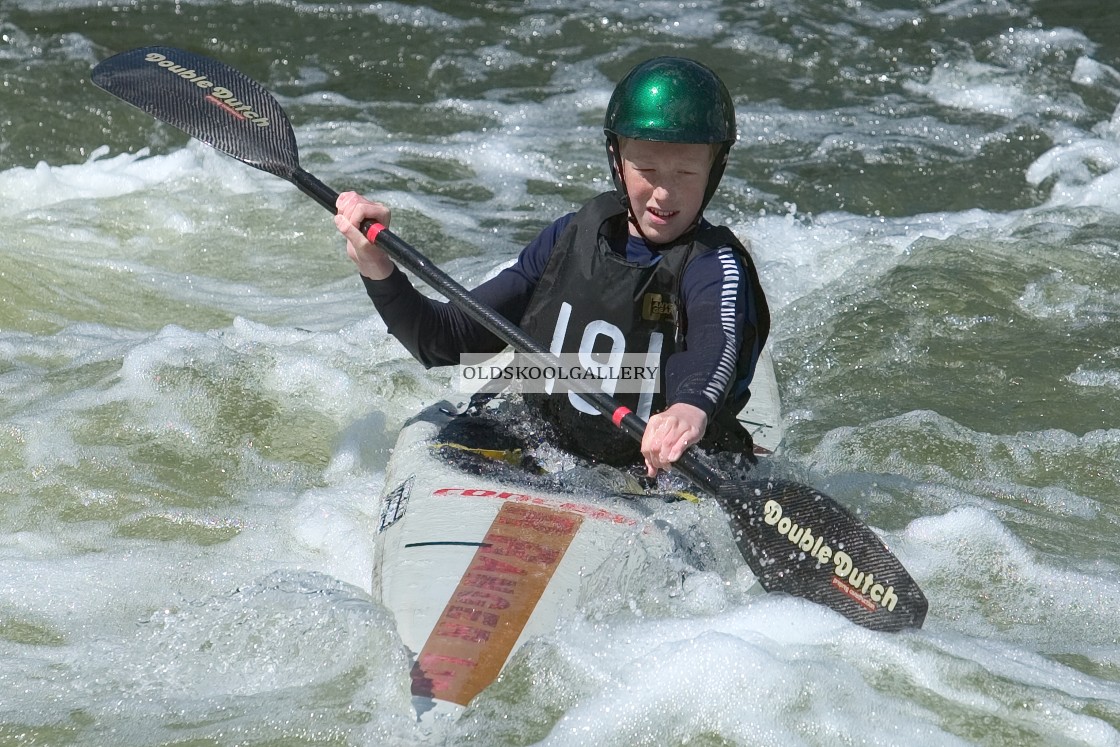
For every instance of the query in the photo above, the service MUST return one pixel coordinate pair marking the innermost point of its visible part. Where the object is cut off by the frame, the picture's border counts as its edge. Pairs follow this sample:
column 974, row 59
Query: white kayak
column 473, row 564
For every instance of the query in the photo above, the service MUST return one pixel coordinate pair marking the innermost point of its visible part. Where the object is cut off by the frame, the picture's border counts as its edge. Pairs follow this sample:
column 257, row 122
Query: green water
column 199, row 403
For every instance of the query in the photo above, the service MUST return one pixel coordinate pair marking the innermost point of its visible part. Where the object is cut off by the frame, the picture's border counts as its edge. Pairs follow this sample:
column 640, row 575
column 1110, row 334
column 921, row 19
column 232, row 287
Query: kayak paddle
column 794, row 538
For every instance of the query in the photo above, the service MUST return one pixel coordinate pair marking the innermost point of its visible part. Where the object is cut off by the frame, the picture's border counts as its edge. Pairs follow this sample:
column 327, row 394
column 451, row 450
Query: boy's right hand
column 353, row 210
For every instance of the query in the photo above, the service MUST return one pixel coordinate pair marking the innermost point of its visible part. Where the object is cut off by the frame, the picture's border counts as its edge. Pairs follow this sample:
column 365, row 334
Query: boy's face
column 666, row 183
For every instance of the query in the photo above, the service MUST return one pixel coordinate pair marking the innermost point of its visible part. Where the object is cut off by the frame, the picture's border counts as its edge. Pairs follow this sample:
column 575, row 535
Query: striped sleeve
column 729, row 315
column 714, row 295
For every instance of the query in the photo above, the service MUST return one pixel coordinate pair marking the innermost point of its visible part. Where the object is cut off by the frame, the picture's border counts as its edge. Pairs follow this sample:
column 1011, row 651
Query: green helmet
column 671, row 99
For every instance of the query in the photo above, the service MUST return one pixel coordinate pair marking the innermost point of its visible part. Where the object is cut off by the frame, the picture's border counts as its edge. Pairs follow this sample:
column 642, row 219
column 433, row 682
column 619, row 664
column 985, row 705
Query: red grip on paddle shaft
column 372, row 230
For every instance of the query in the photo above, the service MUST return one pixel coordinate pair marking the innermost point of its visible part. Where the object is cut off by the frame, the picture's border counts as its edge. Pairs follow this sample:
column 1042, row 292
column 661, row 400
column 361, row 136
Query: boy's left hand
column 669, row 433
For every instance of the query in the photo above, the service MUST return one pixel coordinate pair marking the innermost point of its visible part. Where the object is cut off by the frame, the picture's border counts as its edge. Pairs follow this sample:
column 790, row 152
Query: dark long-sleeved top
column 715, row 293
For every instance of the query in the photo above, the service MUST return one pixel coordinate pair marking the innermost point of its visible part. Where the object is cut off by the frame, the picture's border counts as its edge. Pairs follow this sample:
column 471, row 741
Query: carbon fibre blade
column 208, row 100
column 799, row 541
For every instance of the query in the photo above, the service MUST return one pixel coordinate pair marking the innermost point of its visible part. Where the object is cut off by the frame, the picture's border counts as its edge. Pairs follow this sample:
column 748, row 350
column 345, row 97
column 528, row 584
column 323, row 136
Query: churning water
column 198, row 401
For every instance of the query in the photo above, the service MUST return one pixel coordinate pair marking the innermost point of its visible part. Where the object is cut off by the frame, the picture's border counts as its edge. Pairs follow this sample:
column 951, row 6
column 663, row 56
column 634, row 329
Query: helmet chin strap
column 614, row 153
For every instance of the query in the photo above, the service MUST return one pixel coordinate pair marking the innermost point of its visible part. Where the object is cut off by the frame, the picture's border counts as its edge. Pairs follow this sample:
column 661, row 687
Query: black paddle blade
column 208, row 100
column 799, row 541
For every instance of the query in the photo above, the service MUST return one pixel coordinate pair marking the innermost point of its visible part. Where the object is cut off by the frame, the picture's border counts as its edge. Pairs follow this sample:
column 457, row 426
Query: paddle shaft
column 412, row 260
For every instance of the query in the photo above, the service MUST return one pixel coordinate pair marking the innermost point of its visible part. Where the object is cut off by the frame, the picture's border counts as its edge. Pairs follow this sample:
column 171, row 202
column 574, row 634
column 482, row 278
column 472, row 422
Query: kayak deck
column 473, row 562
column 472, row 566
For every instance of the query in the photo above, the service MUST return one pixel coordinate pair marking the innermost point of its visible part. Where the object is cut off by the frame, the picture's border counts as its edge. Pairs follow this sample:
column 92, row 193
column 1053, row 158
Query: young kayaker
column 639, row 265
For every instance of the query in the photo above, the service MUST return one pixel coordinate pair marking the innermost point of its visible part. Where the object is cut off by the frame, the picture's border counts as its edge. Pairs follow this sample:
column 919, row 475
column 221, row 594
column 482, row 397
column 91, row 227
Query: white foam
column 337, row 524
column 1001, row 85
column 103, row 177
column 742, row 676
column 956, row 9
column 1101, row 371
column 798, row 254
column 979, row 87
column 1077, row 304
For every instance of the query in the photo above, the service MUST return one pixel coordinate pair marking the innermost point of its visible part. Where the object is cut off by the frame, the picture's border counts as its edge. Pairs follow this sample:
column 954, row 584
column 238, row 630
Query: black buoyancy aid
column 591, row 298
